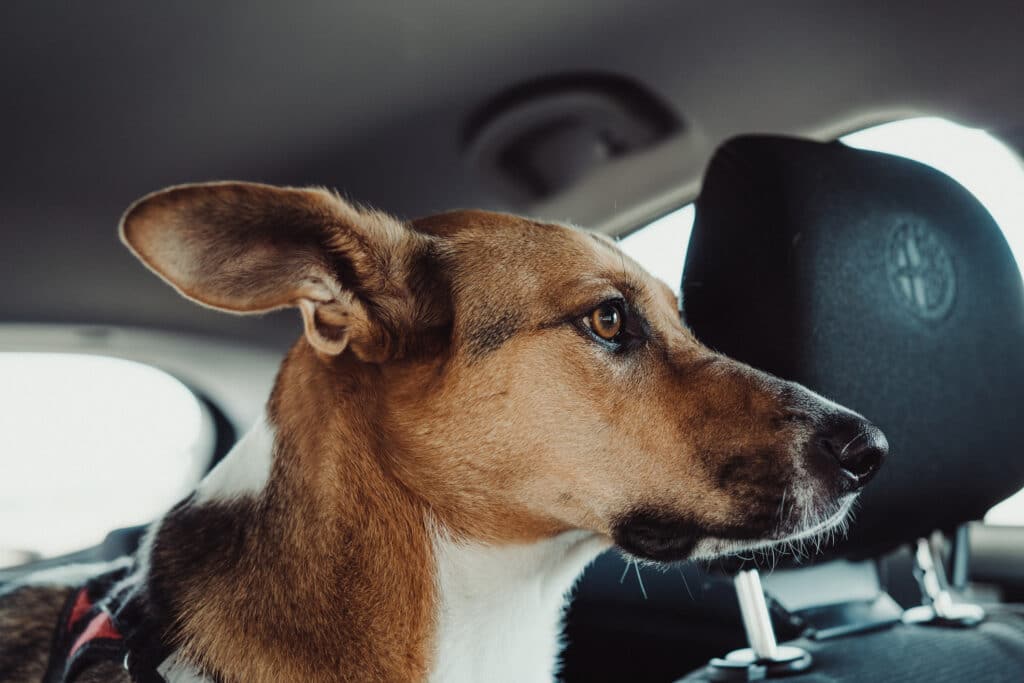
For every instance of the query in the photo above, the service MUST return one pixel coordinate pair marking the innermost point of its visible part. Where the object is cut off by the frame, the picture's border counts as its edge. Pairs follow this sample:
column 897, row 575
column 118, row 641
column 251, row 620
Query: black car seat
column 883, row 284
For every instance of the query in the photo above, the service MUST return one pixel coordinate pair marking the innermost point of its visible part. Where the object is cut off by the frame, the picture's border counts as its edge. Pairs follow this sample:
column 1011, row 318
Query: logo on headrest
column 920, row 270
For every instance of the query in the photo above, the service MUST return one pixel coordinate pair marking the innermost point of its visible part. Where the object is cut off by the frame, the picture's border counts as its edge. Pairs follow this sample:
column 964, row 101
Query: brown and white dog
column 480, row 404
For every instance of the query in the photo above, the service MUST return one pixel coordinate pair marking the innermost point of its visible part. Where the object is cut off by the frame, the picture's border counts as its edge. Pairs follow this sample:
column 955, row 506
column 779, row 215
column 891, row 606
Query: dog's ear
column 357, row 276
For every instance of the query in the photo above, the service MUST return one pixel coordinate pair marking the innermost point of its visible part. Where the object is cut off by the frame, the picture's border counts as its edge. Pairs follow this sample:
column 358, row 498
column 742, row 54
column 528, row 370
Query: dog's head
column 529, row 378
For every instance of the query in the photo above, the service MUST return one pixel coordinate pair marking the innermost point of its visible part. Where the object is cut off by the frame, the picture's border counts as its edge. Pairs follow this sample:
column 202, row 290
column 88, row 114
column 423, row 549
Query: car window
column 89, row 444
column 660, row 246
column 991, row 170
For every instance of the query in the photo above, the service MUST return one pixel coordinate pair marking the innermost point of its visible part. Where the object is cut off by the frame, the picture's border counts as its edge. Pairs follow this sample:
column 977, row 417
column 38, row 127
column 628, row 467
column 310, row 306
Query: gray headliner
column 106, row 101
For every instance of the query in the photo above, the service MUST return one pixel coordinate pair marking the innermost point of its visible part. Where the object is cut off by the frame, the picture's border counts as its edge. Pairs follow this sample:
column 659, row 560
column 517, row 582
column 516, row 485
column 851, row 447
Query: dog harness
column 107, row 620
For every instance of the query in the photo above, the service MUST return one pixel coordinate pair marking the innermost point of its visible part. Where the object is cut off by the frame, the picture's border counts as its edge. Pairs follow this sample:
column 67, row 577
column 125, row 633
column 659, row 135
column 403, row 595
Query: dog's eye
column 607, row 320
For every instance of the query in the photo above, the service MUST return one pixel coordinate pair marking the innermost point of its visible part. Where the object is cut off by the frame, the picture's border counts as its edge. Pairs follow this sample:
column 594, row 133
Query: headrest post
column 960, row 557
column 757, row 621
column 765, row 658
column 939, row 609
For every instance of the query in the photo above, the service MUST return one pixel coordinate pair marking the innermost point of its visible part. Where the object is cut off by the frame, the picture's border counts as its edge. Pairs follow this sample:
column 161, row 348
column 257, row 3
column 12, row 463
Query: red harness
column 107, row 620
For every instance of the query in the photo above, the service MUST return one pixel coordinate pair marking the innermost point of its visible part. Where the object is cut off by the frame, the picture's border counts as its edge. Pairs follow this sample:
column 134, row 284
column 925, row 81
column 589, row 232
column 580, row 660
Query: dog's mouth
column 660, row 536
column 657, row 536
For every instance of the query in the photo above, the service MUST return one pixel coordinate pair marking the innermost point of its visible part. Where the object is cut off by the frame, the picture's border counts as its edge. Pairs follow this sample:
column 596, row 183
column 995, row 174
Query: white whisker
column 682, row 575
column 640, row 580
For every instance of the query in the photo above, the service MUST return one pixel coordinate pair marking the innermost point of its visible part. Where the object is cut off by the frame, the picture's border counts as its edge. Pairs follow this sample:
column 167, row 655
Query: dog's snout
column 858, row 446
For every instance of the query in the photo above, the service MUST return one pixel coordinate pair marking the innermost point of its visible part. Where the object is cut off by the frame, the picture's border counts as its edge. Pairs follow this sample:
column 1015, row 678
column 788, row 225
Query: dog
column 478, row 406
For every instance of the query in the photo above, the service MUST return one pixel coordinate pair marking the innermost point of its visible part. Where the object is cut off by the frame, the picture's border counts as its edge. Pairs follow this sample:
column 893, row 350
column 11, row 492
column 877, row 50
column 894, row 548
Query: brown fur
column 28, row 615
column 328, row 569
column 473, row 399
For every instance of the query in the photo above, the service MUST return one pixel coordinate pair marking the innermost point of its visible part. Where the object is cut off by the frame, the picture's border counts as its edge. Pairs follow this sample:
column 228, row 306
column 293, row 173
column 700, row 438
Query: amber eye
column 606, row 321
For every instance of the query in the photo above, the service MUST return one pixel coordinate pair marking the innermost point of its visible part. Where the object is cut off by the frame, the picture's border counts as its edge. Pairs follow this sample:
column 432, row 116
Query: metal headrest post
column 765, row 658
column 960, row 556
column 939, row 608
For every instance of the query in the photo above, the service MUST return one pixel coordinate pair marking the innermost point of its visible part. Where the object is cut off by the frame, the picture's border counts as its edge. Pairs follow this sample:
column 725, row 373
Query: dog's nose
column 857, row 445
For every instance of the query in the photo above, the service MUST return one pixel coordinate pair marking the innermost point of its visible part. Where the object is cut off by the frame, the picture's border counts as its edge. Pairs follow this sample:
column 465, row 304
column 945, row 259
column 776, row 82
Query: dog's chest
column 500, row 608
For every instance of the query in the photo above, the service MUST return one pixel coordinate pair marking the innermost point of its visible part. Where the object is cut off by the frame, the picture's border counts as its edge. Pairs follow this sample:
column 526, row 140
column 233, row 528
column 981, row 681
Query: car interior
column 888, row 284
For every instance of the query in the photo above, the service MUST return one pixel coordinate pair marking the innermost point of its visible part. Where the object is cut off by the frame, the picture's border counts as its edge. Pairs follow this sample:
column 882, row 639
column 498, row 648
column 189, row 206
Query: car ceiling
column 107, row 101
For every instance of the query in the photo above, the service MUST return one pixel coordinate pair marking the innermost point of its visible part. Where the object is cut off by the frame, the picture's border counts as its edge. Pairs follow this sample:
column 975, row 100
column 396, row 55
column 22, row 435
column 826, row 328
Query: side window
column 89, row 444
column 991, row 170
column 660, row 246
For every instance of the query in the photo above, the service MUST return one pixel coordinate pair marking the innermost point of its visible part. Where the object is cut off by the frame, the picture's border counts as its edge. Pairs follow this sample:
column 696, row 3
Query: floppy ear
column 357, row 276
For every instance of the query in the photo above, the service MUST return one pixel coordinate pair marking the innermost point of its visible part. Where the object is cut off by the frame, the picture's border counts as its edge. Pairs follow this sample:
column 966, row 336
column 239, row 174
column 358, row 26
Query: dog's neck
column 301, row 557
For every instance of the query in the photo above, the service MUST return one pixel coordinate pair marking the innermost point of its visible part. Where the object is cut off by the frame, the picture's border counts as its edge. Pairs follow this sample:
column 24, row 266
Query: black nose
column 857, row 445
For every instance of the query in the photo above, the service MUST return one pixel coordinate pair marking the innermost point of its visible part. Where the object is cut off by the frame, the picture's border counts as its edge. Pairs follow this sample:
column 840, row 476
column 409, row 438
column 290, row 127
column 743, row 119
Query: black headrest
column 884, row 285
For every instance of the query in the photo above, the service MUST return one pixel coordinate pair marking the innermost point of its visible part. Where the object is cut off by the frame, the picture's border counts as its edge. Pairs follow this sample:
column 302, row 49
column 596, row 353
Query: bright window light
column 660, row 247
column 992, row 171
column 89, row 444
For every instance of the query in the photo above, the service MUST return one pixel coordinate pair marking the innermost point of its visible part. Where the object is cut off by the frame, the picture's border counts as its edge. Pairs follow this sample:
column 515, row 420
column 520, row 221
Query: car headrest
column 886, row 286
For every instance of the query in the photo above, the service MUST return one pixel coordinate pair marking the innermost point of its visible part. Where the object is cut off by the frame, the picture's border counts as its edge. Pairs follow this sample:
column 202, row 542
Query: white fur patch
column 244, row 470
column 501, row 607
